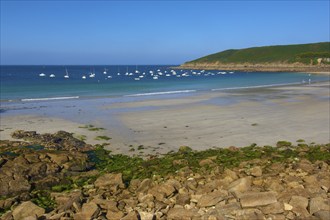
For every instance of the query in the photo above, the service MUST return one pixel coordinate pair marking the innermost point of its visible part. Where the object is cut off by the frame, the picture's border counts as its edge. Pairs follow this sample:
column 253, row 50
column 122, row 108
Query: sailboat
column 66, row 74
column 105, row 71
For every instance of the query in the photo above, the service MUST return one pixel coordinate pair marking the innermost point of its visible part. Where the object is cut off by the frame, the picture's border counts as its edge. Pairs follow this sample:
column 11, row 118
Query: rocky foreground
column 56, row 176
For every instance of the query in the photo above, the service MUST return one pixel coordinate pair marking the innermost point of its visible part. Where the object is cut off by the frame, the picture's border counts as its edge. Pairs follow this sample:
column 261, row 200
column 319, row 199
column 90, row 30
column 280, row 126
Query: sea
column 46, row 83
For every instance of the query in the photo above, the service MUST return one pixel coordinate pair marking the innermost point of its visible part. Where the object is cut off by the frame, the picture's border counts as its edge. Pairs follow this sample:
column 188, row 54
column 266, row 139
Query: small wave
column 261, row 86
column 48, row 99
column 162, row 93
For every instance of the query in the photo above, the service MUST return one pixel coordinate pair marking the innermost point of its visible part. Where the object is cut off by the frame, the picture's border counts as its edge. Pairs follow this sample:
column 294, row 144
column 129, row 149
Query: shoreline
column 324, row 70
column 200, row 120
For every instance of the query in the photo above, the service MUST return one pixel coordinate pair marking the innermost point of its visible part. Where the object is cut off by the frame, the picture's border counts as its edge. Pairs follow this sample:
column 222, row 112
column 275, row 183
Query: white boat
column 155, row 77
column 83, row 77
column 109, row 77
column 91, row 75
column 105, row 71
column 137, row 79
column 52, row 75
column 42, row 74
column 66, row 74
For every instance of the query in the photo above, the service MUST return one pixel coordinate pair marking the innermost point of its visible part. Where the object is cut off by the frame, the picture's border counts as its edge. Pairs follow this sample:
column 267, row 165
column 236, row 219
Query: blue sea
column 35, row 84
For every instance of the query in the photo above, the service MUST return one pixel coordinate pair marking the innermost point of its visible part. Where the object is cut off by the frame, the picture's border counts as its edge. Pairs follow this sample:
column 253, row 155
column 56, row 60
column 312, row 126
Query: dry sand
column 201, row 121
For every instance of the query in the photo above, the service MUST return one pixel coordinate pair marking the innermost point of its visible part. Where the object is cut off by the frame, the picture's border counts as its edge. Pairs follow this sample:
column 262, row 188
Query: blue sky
column 151, row 32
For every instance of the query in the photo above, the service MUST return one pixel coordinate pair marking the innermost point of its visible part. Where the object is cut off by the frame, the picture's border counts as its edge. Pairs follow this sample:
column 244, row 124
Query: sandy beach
column 201, row 120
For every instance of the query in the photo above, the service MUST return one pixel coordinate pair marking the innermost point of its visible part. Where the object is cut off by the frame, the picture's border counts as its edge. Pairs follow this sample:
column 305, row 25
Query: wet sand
column 201, row 120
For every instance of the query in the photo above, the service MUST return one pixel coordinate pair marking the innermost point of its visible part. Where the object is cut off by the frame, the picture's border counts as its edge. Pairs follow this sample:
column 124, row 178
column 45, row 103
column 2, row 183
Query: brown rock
column 144, row 186
column 146, row 215
column 256, row 171
column 181, row 213
column 230, row 174
column 89, row 211
column 183, row 199
column 248, row 214
column 254, row 199
column 58, row 158
column 240, row 185
column 299, row 201
column 109, row 180
column 319, row 204
column 212, row 199
column 162, row 191
column 114, row 215
column 131, row 216
column 206, row 162
column 274, row 208
column 27, row 209
column 323, row 215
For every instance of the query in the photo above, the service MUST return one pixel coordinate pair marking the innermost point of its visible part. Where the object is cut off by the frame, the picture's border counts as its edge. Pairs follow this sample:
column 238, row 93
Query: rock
column 323, row 215
column 89, row 211
column 144, row 186
column 181, row 213
column 109, row 180
column 255, row 199
column 319, row 204
column 212, row 199
column 109, row 205
column 274, row 208
column 230, row 174
column 240, row 185
column 146, row 215
column 114, row 215
column 248, row 214
column 299, row 201
column 131, row 216
column 183, row 199
column 256, row 171
column 27, row 209
column 162, row 191
column 206, row 162
column 59, row 159
column 287, row 207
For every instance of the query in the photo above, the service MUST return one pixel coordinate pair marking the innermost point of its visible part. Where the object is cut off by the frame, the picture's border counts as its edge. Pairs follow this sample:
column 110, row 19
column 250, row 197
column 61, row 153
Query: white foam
column 252, row 87
column 48, row 99
column 162, row 93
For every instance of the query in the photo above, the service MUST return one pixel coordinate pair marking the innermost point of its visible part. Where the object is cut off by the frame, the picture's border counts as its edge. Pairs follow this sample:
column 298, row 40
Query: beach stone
column 206, row 162
column 13, row 185
column 130, row 216
column 274, row 208
column 114, row 215
column 241, row 185
column 256, row 171
column 144, row 186
column 229, row 173
column 109, row 180
column 181, row 213
column 212, row 199
column 255, row 199
column 323, row 215
column 27, row 209
column 248, row 214
column 58, row 158
column 162, row 191
column 183, row 199
column 299, row 201
column 88, row 211
column 319, row 204
column 287, row 207
column 146, row 215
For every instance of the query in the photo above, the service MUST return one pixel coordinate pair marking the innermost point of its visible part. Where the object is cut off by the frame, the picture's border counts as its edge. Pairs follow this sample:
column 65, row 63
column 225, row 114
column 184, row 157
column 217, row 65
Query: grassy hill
column 301, row 53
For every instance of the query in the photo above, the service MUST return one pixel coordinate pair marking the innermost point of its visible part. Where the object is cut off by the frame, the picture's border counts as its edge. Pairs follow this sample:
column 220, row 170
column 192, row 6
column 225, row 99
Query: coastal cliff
column 289, row 58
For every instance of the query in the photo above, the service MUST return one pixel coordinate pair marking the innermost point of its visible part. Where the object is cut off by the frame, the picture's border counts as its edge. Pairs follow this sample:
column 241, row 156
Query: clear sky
column 151, row 32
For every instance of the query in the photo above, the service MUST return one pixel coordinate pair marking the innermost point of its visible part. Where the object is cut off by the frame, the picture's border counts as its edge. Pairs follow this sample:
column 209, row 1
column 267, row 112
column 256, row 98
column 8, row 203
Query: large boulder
column 255, row 199
column 27, row 209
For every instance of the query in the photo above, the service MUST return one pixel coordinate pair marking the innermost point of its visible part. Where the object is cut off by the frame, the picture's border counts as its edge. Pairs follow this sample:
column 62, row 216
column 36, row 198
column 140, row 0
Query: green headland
column 298, row 57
